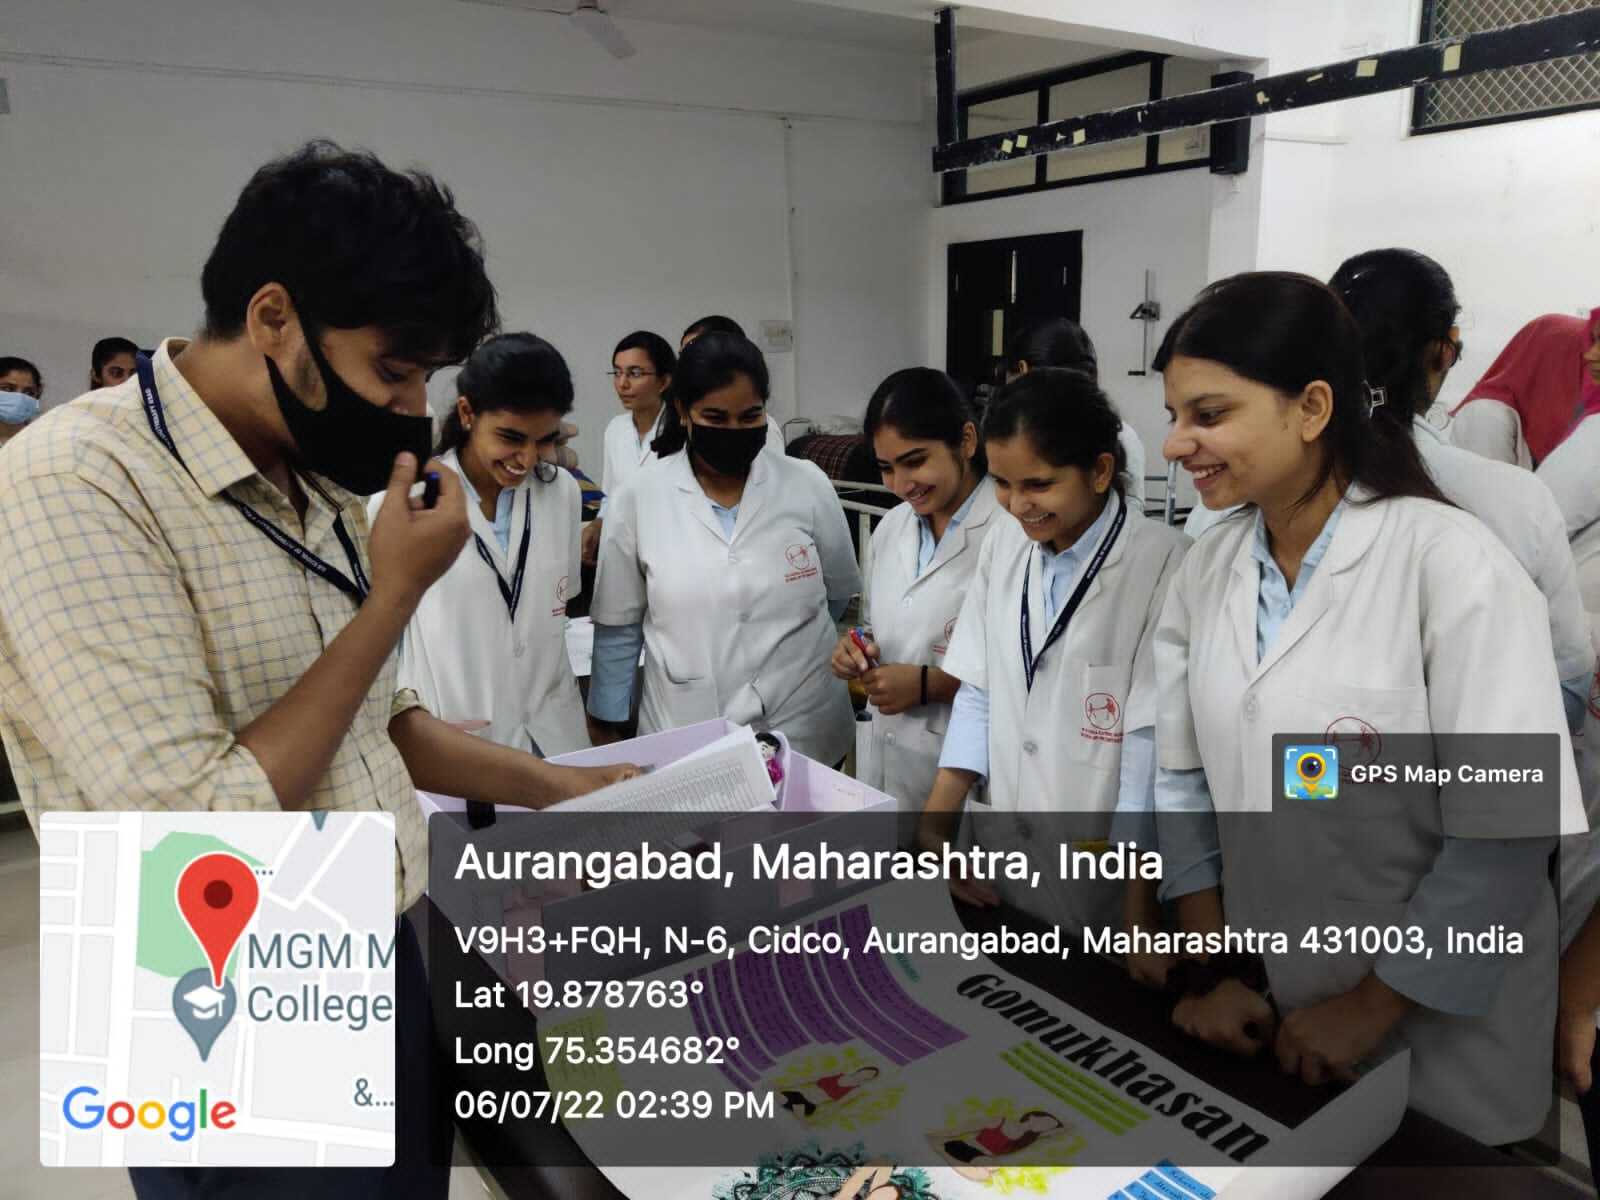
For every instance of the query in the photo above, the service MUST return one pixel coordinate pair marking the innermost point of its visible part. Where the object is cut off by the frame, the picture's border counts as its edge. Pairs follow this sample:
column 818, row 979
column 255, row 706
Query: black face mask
column 725, row 449
column 351, row 440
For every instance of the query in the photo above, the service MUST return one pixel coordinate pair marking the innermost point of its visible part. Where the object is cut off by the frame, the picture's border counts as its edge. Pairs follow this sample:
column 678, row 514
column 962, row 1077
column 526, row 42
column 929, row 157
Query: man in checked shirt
column 194, row 613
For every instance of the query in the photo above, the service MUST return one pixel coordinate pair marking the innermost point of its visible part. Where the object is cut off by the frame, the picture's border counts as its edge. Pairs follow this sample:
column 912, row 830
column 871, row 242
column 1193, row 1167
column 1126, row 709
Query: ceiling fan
column 587, row 16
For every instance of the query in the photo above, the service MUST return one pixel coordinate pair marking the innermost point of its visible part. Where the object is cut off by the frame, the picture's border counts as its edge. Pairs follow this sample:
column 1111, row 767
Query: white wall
column 1161, row 222
column 1509, row 210
column 611, row 195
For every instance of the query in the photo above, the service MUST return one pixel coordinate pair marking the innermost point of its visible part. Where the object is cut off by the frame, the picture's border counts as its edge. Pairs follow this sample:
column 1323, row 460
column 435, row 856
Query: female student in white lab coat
column 924, row 552
column 716, row 323
column 1350, row 603
column 1060, row 342
column 1405, row 306
column 1053, row 645
column 488, row 641
column 729, row 565
column 641, row 372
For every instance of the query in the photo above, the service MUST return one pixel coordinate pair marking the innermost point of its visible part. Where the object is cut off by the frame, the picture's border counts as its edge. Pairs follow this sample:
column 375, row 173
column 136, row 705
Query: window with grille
column 1541, row 89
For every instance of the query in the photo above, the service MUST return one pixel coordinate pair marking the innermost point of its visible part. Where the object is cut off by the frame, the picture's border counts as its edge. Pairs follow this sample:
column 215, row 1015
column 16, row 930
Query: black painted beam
column 944, row 75
column 1514, row 46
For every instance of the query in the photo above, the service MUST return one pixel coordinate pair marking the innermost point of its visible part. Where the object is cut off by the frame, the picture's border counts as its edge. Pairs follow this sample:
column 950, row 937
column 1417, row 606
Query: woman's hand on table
column 1230, row 1016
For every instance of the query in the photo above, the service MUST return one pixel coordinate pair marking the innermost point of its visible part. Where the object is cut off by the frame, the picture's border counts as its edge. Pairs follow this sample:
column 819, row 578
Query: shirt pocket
column 1096, row 720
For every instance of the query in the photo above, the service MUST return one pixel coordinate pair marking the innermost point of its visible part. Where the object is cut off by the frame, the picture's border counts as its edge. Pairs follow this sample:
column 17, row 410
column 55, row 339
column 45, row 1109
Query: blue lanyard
column 511, row 592
column 1029, row 663
column 356, row 590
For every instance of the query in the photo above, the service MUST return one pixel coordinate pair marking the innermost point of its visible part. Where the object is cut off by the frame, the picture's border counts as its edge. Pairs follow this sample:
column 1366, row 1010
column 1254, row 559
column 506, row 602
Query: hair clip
column 1377, row 397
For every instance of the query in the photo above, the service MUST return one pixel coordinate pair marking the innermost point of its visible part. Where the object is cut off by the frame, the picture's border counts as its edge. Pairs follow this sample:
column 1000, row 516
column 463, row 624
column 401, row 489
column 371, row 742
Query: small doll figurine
column 769, row 755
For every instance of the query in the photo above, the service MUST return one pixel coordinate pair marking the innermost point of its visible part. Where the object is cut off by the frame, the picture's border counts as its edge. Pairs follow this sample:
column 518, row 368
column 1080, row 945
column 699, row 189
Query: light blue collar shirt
column 927, row 546
column 503, row 505
column 966, row 740
column 728, row 517
column 1058, row 572
column 1274, row 598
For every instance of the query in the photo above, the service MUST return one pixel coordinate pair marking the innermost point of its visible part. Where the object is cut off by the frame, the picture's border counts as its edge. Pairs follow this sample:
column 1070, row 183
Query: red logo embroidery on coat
column 799, row 559
column 941, row 647
column 1358, row 741
column 1104, row 715
column 562, row 585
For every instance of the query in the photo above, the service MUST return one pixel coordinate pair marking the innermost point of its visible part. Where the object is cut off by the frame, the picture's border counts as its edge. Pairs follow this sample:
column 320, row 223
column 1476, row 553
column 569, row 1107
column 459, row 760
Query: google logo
column 185, row 1116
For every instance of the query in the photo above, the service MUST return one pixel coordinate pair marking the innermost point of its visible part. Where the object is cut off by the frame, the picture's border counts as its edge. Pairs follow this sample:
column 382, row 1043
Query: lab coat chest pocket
column 1094, row 715
column 1372, row 842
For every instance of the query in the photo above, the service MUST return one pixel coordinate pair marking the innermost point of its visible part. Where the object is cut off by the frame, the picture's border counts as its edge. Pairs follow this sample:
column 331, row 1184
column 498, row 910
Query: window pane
column 1002, row 116
column 1081, row 97
column 1179, row 77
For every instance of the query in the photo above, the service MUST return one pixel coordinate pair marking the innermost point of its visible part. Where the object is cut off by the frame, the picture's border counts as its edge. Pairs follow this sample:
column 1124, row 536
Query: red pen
column 859, row 636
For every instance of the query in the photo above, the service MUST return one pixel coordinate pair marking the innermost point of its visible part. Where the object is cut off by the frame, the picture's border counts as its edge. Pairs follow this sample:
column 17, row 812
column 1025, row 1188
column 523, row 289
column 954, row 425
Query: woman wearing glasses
column 641, row 371
column 488, row 641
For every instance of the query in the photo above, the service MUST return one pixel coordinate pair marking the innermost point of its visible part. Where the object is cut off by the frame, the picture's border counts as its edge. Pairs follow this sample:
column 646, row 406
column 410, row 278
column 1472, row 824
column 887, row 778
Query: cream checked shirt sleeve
column 144, row 622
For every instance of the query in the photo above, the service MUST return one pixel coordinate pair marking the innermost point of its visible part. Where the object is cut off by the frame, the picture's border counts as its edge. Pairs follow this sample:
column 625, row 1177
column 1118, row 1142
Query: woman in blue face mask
column 21, row 385
column 730, row 566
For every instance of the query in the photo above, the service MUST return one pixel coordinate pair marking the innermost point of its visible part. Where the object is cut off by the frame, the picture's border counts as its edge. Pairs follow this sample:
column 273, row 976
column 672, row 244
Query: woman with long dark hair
column 924, row 552
column 729, row 565
column 1405, row 306
column 1053, row 648
column 1062, row 342
column 488, row 641
column 1345, row 607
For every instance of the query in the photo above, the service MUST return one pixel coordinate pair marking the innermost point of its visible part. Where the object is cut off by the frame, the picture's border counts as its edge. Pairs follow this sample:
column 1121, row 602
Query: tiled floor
column 21, row 1177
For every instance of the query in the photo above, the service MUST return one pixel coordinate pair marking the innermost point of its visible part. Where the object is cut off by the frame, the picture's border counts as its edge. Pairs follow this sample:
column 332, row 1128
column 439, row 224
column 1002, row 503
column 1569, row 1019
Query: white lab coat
column 913, row 618
column 625, row 455
column 463, row 655
column 1058, row 748
column 1572, row 472
column 1524, row 515
column 736, row 628
column 1493, row 429
column 1518, row 511
column 1416, row 620
column 1201, row 518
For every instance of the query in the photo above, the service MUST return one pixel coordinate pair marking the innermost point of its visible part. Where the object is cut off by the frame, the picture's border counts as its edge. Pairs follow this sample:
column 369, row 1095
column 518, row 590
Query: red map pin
column 217, row 895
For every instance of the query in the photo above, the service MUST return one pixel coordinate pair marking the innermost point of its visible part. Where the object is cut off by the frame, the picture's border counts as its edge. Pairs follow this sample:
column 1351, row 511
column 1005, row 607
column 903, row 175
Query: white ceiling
column 798, row 19
column 983, row 54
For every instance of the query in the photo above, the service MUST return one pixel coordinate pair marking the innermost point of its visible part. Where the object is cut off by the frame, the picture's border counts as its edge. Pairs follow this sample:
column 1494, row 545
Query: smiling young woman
column 924, row 552
column 1348, row 599
column 488, row 640
column 1053, row 645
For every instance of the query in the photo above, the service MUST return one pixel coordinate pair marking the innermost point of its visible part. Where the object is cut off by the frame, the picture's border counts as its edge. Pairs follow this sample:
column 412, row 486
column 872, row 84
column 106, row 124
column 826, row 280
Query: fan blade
column 603, row 30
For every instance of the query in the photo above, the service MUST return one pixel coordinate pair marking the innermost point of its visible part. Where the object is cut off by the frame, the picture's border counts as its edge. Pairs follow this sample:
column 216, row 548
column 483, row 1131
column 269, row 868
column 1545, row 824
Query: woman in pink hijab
column 1536, row 392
